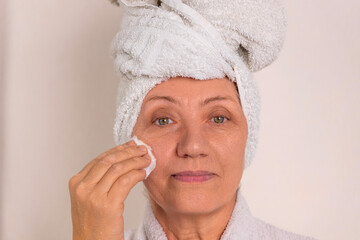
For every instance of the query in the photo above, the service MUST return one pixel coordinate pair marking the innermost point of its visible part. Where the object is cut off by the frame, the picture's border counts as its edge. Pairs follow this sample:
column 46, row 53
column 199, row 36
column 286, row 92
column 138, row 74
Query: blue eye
column 163, row 121
column 219, row 119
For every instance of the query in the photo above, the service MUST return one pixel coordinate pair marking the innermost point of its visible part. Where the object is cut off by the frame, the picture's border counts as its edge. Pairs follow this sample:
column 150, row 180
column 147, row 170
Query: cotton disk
column 152, row 165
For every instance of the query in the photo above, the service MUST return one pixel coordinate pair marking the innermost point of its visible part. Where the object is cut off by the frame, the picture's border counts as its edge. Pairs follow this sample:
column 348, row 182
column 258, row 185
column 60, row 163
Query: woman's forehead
column 179, row 90
column 182, row 87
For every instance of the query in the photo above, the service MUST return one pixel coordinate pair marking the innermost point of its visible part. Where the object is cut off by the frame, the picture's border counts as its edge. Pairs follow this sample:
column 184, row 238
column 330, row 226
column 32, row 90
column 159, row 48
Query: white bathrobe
column 241, row 226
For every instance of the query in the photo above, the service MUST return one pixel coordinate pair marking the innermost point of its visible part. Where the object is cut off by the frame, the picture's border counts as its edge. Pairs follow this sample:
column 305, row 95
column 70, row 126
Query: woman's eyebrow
column 217, row 98
column 206, row 101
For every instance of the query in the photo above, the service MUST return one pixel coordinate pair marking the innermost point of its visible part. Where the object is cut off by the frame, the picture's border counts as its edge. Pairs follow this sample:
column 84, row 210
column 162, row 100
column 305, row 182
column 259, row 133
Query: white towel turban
column 200, row 39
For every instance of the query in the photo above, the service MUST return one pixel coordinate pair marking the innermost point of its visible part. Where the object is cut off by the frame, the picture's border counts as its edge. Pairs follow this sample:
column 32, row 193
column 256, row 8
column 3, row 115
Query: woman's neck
column 209, row 226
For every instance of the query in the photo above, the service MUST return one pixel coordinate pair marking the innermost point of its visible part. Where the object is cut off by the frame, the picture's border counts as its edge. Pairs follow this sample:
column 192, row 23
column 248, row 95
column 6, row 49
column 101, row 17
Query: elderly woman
column 186, row 122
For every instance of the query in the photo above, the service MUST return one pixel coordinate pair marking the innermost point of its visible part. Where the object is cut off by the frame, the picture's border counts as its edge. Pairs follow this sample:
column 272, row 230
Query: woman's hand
column 99, row 190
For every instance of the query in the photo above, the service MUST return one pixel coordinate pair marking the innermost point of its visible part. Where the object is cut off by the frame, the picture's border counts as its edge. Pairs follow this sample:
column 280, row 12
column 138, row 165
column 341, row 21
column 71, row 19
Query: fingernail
column 142, row 148
column 146, row 158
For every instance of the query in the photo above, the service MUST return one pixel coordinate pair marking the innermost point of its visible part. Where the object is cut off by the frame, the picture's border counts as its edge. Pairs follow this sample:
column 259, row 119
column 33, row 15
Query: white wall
column 2, row 98
column 59, row 91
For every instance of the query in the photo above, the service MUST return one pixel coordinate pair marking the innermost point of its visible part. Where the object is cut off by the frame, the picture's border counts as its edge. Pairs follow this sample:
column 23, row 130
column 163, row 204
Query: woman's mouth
column 193, row 176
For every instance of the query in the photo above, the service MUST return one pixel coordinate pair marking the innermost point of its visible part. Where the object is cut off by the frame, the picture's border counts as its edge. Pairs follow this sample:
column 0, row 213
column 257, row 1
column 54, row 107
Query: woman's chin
column 188, row 196
column 193, row 201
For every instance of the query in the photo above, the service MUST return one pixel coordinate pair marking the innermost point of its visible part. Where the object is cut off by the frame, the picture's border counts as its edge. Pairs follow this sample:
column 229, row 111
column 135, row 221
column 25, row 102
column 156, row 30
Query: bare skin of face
column 198, row 133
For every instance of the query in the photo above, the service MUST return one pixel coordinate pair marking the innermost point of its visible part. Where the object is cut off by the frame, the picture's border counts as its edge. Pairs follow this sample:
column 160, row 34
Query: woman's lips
column 193, row 176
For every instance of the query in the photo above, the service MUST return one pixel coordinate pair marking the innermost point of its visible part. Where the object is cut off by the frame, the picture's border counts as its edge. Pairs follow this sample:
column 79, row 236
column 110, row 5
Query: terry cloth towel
column 200, row 39
column 241, row 226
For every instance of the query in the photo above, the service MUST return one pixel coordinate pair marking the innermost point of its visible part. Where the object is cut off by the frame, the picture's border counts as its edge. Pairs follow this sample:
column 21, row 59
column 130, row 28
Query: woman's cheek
column 156, row 182
column 161, row 151
column 160, row 135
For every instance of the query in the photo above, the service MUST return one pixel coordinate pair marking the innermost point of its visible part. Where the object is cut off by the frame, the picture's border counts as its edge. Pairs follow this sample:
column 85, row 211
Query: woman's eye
column 162, row 121
column 219, row 119
column 165, row 120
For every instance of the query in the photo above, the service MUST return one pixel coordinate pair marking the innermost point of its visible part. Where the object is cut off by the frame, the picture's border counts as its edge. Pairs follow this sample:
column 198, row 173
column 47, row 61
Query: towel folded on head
column 200, row 39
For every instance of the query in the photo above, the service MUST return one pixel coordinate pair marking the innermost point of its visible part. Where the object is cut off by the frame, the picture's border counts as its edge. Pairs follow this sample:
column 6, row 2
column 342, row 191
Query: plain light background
column 58, row 90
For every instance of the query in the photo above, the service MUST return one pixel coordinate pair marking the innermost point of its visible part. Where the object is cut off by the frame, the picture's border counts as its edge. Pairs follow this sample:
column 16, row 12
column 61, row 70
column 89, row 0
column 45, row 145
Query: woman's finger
column 102, row 166
column 119, row 169
column 88, row 166
column 121, row 187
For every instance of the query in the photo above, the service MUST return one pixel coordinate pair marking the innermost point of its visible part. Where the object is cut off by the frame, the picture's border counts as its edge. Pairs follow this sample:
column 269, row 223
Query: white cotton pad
column 152, row 165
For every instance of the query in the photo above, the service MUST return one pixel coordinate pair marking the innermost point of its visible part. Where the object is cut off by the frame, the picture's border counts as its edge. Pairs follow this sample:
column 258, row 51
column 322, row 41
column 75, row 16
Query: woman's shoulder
column 265, row 230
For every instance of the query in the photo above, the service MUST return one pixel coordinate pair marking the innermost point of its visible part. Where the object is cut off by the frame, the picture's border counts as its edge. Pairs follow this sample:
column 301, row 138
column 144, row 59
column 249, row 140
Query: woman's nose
column 192, row 143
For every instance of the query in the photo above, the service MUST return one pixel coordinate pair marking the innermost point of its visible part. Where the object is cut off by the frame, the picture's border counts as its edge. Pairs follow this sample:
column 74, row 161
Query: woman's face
column 194, row 127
